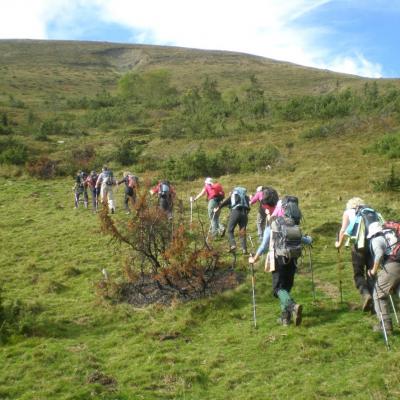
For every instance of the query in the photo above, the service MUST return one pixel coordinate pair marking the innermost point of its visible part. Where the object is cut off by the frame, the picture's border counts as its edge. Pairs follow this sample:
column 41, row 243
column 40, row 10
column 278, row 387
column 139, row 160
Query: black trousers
column 283, row 276
column 238, row 217
column 130, row 195
column 362, row 261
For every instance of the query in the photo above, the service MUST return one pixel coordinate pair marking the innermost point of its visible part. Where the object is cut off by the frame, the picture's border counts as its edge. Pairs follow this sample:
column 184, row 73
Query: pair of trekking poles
column 384, row 331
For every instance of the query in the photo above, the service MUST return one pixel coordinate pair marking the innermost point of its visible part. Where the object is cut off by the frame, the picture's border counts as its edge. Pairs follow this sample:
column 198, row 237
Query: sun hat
column 373, row 229
column 259, row 189
column 208, row 181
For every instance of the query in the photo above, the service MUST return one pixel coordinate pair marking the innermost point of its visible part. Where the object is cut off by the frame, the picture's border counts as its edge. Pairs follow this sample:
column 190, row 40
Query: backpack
column 93, row 179
column 269, row 196
column 358, row 227
column 164, row 190
column 133, row 181
column 290, row 205
column 286, row 238
column 217, row 192
column 391, row 232
column 239, row 199
column 108, row 177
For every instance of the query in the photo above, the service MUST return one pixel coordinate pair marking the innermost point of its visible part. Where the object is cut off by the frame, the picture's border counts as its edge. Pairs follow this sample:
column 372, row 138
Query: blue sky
column 352, row 36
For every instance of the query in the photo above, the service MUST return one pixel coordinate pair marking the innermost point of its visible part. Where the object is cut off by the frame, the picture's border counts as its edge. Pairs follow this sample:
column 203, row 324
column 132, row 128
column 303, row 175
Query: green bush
column 226, row 161
column 101, row 100
column 391, row 183
column 388, row 145
column 152, row 88
column 13, row 152
column 128, row 152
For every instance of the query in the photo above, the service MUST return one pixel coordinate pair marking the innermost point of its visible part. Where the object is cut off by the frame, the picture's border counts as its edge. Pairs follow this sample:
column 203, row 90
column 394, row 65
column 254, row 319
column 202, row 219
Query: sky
column 352, row 36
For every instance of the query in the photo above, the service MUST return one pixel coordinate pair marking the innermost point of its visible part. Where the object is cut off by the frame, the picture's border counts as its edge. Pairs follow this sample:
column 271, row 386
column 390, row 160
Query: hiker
column 131, row 185
column 105, row 182
column 166, row 195
column 283, row 254
column 80, row 188
column 268, row 198
column 239, row 204
column 90, row 182
column 360, row 254
column 214, row 194
column 388, row 277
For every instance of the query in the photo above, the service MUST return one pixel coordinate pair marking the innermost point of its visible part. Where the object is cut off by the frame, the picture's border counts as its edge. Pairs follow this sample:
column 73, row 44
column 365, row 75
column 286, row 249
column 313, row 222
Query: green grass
column 67, row 342
column 74, row 339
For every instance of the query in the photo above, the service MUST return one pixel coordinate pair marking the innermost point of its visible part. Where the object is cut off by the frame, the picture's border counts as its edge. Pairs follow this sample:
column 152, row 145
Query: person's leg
column 94, row 198
column 283, row 281
column 110, row 197
column 242, row 221
column 214, row 217
column 76, row 201
column 260, row 222
column 358, row 260
column 233, row 221
column 387, row 279
column 85, row 198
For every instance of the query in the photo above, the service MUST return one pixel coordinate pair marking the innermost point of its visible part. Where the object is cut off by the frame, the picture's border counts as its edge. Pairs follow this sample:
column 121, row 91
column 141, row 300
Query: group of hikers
column 374, row 242
column 102, row 185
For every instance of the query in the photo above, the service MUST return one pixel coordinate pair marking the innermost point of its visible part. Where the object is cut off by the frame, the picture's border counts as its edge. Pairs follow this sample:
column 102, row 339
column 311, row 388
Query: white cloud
column 357, row 65
column 262, row 27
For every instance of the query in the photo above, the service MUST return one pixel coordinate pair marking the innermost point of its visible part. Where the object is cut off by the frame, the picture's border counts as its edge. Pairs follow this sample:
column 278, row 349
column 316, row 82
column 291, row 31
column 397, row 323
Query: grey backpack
column 287, row 238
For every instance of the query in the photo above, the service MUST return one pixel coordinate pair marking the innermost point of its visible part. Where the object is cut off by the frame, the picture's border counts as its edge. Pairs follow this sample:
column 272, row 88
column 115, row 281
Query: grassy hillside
column 63, row 340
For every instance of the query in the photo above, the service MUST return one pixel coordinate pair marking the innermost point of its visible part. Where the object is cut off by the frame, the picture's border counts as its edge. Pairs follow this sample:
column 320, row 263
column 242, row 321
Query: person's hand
column 216, row 209
column 371, row 273
column 252, row 260
column 337, row 244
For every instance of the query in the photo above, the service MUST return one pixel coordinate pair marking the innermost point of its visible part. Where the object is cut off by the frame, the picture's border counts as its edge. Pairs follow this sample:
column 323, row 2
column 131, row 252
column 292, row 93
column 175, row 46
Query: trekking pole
column 385, row 337
column 394, row 309
column 340, row 267
column 253, row 285
column 311, row 270
column 191, row 212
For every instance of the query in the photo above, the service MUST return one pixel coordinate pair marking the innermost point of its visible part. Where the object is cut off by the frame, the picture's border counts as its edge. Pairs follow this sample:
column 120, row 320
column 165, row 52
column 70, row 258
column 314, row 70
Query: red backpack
column 391, row 231
column 217, row 192
column 133, row 181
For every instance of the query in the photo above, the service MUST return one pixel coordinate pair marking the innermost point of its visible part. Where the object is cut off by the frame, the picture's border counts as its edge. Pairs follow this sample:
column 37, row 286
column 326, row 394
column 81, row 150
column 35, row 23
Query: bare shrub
column 166, row 261
column 43, row 168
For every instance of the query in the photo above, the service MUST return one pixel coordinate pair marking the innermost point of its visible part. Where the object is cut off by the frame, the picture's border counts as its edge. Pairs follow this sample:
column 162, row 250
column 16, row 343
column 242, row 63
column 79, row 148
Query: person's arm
column 255, row 198
column 378, row 246
column 155, row 189
column 263, row 247
column 345, row 224
column 224, row 203
column 99, row 179
column 203, row 191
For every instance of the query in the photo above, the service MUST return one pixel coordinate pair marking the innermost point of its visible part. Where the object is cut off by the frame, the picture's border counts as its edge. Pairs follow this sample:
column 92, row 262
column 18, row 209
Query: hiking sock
column 284, row 298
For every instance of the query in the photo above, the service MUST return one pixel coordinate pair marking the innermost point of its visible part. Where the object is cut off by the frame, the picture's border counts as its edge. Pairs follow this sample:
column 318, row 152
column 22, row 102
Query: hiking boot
column 232, row 249
column 284, row 319
column 223, row 232
column 366, row 302
column 244, row 252
column 112, row 210
column 297, row 310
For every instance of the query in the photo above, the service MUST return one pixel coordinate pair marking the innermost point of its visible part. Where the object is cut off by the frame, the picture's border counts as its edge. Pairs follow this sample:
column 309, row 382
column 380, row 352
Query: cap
column 259, row 189
column 208, row 181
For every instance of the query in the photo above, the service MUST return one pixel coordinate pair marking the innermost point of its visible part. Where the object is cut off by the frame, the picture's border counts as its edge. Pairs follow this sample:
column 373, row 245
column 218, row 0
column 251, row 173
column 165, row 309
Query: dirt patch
column 148, row 290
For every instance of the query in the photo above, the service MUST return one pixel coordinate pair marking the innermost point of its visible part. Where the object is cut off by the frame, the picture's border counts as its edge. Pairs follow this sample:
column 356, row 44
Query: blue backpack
column 239, row 199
